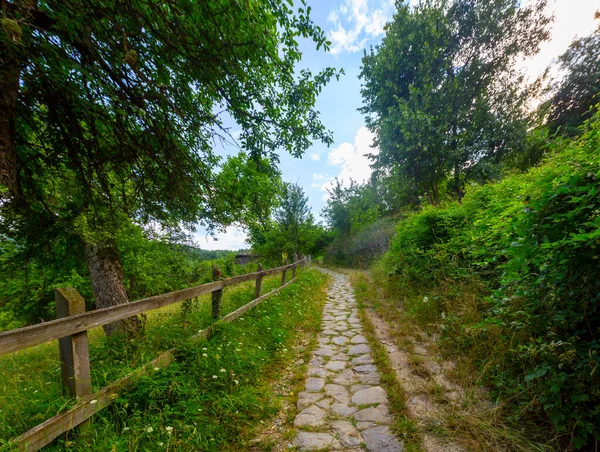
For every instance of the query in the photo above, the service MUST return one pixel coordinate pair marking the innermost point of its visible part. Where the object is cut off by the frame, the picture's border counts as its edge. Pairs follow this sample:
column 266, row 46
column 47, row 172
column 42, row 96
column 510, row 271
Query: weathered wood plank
column 14, row 340
column 258, row 286
column 216, row 295
column 285, row 267
column 74, row 350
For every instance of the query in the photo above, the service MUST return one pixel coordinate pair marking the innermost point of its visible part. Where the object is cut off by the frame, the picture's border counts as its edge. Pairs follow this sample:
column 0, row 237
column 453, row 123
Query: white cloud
column 357, row 21
column 232, row 239
column 315, row 156
column 319, row 176
column 351, row 158
column 570, row 22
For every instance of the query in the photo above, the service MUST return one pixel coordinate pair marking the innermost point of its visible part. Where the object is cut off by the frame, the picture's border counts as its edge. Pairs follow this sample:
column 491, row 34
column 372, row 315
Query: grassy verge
column 404, row 427
column 418, row 313
column 30, row 380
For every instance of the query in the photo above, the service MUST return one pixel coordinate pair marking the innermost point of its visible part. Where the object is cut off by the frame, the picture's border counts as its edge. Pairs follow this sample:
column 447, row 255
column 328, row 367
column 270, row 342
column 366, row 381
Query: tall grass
column 30, row 389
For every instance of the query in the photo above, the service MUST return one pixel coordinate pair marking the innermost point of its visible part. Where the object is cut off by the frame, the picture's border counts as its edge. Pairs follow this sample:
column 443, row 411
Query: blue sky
column 352, row 26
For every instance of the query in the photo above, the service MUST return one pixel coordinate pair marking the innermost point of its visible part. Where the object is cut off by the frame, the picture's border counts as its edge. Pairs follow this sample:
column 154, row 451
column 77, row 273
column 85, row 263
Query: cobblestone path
column 343, row 408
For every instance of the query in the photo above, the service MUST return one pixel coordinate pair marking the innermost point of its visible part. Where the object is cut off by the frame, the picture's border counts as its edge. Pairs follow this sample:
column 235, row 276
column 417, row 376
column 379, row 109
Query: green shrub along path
column 511, row 278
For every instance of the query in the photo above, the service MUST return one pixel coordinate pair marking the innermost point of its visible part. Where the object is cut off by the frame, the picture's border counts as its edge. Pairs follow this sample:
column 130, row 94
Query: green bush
column 531, row 245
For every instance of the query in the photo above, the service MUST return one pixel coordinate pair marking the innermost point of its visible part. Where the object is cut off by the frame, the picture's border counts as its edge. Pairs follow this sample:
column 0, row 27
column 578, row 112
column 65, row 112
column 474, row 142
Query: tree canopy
column 441, row 91
column 111, row 111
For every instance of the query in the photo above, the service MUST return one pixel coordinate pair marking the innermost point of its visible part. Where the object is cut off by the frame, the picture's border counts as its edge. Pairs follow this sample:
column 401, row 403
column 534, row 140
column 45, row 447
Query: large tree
column 441, row 91
column 110, row 111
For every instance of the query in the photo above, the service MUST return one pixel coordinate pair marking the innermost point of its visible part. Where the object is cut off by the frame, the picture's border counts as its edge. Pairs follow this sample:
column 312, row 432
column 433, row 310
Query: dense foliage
column 442, row 93
column 527, row 249
column 510, row 273
column 111, row 111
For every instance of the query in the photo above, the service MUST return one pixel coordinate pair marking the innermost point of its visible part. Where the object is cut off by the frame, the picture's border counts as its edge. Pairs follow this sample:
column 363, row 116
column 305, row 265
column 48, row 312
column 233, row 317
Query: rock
column 347, row 433
column 316, row 361
column 380, row 439
column 324, row 351
column 345, row 378
column 335, row 365
column 365, row 425
column 363, row 359
column 306, row 399
column 359, row 349
column 317, row 372
column 355, row 388
column 324, row 340
column 359, row 339
column 369, row 379
column 338, row 392
column 313, row 416
column 380, row 414
column 339, row 340
column 314, row 384
column 369, row 396
column 365, row 369
column 315, row 441
column 340, row 409
column 432, row 367
column 325, row 404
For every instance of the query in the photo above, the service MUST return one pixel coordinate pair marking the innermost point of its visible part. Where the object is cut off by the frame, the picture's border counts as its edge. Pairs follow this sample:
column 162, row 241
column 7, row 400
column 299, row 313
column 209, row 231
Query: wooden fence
column 70, row 329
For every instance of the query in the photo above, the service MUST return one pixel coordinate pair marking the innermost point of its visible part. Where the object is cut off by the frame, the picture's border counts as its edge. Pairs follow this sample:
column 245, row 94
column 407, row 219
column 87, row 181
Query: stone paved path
column 343, row 408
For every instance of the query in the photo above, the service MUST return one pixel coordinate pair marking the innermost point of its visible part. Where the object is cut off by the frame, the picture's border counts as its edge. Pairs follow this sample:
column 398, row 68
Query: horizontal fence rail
column 19, row 339
column 71, row 331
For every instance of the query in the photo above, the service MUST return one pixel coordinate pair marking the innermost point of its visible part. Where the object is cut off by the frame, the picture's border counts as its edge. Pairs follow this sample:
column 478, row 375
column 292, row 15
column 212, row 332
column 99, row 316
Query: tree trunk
column 435, row 194
column 9, row 90
column 106, row 273
column 457, row 185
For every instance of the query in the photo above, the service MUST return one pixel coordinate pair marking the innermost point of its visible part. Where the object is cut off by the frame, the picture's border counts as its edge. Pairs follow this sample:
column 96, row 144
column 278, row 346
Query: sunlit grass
column 30, row 380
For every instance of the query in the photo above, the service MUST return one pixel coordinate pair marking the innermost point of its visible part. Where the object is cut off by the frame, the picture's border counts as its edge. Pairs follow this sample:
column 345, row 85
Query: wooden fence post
column 283, row 273
column 295, row 265
column 216, row 295
column 74, row 350
column 258, row 282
